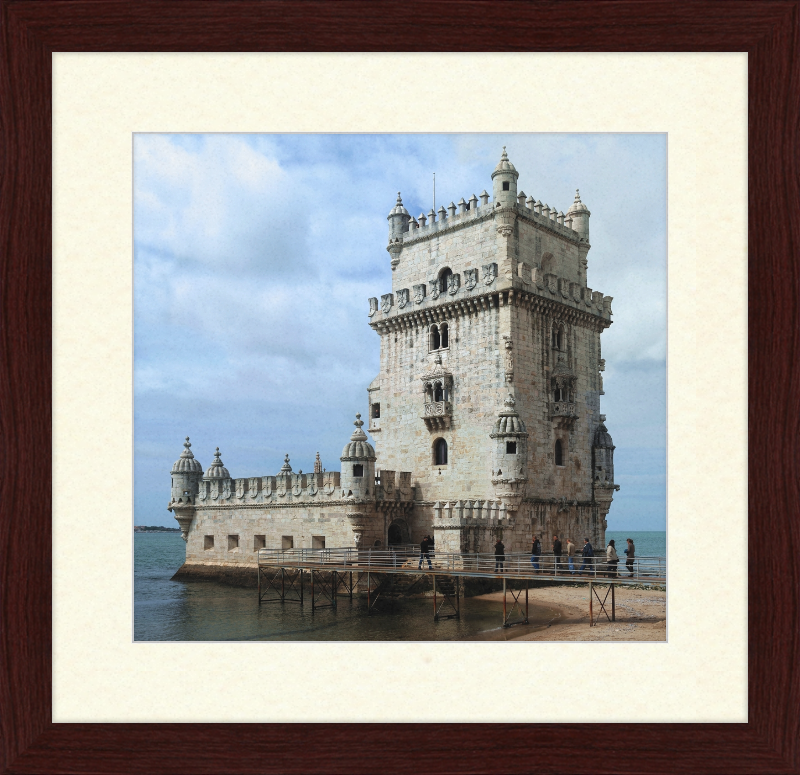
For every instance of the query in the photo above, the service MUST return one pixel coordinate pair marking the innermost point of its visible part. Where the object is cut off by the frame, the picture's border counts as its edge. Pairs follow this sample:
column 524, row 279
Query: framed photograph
column 99, row 701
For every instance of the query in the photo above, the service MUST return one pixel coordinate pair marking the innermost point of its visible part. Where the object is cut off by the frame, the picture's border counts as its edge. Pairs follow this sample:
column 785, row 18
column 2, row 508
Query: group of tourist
column 587, row 553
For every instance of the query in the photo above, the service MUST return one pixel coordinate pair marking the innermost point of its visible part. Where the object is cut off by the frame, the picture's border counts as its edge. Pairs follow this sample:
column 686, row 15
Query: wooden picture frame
column 32, row 30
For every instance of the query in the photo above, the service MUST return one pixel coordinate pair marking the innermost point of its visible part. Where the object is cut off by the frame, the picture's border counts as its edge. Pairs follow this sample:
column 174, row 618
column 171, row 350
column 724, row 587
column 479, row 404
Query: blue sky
column 254, row 257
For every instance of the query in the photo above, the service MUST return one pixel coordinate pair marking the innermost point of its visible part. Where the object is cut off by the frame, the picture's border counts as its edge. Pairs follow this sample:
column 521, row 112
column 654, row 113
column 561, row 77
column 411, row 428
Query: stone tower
column 489, row 386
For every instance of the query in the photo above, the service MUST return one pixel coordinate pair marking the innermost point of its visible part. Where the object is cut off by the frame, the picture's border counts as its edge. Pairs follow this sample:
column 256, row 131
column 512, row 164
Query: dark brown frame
column 767, row 29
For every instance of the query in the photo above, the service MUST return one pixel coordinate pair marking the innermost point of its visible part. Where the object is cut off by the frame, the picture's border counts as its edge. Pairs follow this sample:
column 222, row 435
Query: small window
column 505, row 185
column 438, row 393
column 287, row 542
column 435, row 340
column 445, row 338
column 259, row 542
column 358, row 470
column 440, row 452
column 557, row 395
column 233, row 543
column 559, row 453
column 376, row 411
column 444, row 279
column 317, row 542
column 511, row 448
column 208, row 542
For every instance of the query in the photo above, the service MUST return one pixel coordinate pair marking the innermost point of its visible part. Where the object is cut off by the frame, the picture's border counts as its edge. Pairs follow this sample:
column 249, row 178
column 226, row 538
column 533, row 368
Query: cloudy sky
column 254, row 257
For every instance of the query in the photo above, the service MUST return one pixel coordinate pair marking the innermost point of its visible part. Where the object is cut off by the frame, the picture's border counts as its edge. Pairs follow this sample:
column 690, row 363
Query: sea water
column 166, row 610
column 649, row 543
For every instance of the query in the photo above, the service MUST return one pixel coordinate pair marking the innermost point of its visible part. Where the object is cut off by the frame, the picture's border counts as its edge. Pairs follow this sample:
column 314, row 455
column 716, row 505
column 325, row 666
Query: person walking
column 556, row 553
column 499, row 555
column 424, row 551
column 536, row 552
column 588, row 555
column 611, row 559
column 570, row 556
column 630, row 551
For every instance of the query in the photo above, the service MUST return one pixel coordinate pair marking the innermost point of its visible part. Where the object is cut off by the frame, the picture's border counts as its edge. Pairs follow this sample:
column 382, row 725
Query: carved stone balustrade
column 437, row 414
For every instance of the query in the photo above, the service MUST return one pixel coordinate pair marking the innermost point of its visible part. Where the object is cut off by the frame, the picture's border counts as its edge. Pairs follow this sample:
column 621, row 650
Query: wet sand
column 640, row 616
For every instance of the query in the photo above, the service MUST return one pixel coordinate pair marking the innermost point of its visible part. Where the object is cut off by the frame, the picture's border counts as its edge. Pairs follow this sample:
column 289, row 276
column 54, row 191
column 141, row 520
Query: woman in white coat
column 611, row 559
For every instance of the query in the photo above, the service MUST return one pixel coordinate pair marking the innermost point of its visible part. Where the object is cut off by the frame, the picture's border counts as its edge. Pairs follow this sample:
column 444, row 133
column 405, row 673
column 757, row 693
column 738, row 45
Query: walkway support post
column 613, row 608
column 591, row 607
column 504, row 601
column 435, row 615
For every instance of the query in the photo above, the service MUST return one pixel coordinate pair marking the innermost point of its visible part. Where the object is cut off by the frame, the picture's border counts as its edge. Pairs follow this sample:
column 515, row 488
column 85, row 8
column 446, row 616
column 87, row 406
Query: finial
column 187, row 443
column 577, row 196
column 510, row 401
column 399, row 200
column 286, row 459
column 217, row 452
column 359, row 422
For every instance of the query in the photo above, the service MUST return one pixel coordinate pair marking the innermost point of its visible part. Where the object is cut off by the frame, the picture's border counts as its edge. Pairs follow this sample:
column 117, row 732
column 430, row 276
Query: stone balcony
column 564, row 412
column 437, row 415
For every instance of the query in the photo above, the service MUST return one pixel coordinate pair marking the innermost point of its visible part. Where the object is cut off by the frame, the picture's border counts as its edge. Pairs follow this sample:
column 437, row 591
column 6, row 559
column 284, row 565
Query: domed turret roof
column 217, row 470
column 398, row 209
column 508, row 421
column 504, row 165
column 602, row 438
column 285, row 468
column 358, row 448
column 186, row 463
column 577, row 206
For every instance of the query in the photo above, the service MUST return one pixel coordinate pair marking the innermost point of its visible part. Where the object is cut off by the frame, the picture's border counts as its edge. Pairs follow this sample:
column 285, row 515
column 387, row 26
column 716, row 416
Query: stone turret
column 579, row 213
column 186, row 475
column 504, row 182
column 398, row 225
column 358, row 464
column 510, row 458
column 603, row 455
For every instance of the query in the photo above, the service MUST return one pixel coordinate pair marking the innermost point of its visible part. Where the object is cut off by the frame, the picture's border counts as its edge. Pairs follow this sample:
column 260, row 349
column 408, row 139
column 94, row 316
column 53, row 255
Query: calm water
column 648, row 544
column 166, row 610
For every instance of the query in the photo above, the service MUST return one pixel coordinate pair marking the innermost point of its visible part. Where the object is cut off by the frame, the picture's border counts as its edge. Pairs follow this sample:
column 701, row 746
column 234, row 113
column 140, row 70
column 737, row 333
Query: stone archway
column 398, row 533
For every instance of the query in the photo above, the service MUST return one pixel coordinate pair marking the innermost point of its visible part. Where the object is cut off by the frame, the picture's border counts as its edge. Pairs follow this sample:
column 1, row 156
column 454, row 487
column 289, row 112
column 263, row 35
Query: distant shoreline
column 155, row 529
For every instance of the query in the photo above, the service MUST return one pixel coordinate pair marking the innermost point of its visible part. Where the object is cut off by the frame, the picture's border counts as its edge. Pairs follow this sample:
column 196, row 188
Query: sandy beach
column 640, row 615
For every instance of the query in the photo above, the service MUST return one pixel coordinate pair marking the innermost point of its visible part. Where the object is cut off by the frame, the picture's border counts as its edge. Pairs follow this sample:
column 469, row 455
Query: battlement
column 463, row 513
column 434, row 224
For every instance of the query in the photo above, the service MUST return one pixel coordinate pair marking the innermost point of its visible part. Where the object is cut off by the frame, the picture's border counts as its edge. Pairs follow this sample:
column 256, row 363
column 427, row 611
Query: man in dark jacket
column 557, row 553
column 499, row 555
column 424, row 551
column 588, row 554
column 536, row 552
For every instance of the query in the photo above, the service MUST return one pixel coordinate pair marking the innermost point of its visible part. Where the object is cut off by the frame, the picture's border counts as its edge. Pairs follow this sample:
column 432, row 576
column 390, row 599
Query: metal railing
column 408, row 558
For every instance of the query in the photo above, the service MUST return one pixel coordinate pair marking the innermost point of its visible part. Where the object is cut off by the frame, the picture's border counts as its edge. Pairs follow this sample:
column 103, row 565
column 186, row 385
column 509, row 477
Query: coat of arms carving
column 240, row 488
column 214, row 490
column 386, row 303
column 470, row 278
column 453, row 283
column 373, row 306
column 252, row 487
column 434, row 286
column 419, row 293
column 226, row 489
column 402, row 298
column 489, row 273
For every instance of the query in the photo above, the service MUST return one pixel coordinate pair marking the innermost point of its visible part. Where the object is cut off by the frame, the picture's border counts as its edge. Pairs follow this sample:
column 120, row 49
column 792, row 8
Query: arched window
column 445, row 335
column 559, row 453
column 438, row 393
column 557, row 395
column 440, row 452
column 444, row 276
column 435, row 340
column 557, row 337
column 358, row 470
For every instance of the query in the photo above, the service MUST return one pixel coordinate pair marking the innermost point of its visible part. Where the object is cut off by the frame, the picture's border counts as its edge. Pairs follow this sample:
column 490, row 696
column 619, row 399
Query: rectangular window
column 259, row 542
column 376, row 411
column 358, row 470
column 317, row 542
column 511, row 448
column 208, row 542
column 287, row 542
column 233, row 543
